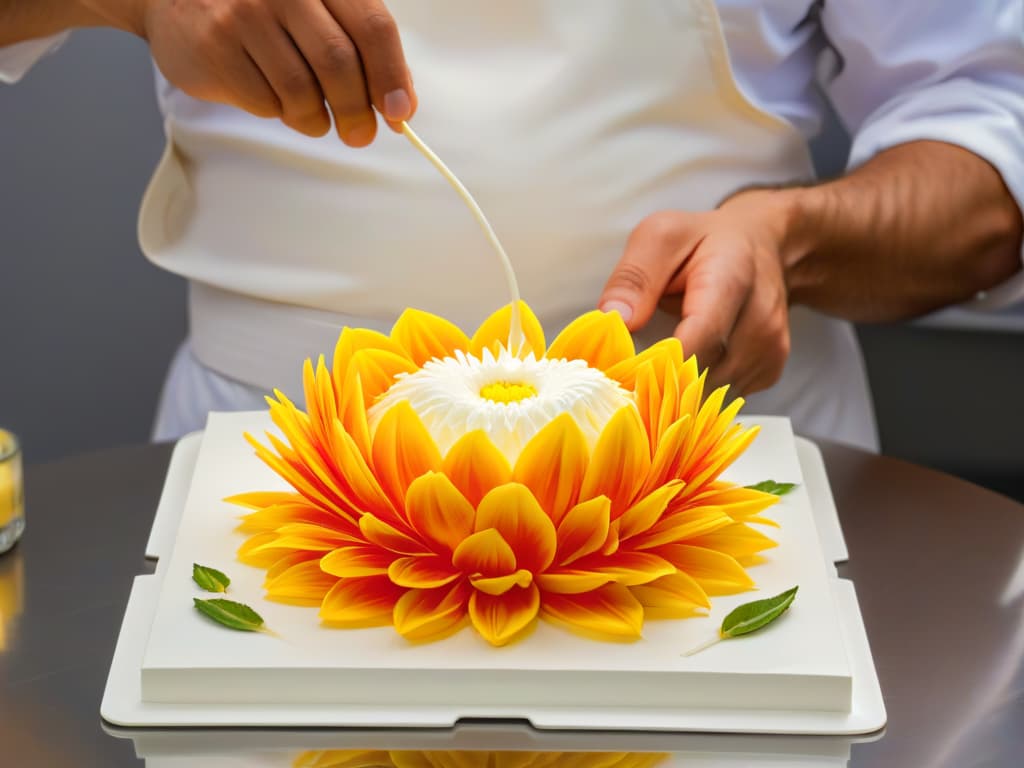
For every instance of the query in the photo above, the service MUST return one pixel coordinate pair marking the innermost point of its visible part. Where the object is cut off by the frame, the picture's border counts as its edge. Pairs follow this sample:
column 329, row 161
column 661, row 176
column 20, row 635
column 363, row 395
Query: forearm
column 921, row 226
column 28, row 19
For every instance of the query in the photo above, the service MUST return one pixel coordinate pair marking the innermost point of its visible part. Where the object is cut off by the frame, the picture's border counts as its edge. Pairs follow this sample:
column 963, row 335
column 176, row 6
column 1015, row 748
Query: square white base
column 198, row 674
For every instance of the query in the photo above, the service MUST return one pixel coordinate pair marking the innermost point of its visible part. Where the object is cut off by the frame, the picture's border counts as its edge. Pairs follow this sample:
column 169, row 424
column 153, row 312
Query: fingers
column 758, row 347
column 285, row 69
column 375, row 35
column 655, row 253
column 715, row 293
column 332, row 56
column 245, row 86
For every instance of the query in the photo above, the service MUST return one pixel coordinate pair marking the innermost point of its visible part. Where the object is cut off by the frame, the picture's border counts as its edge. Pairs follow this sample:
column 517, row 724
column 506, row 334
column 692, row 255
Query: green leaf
column 209, row 579
column 750, row 617
column 770, row 486
column 230, row 614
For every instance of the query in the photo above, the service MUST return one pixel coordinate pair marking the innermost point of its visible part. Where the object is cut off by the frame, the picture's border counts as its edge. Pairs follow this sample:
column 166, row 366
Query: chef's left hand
column 723, row 271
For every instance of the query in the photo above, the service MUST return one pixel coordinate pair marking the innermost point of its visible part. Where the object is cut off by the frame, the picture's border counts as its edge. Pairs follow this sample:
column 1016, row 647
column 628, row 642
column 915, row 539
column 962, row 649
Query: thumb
column 655, row 252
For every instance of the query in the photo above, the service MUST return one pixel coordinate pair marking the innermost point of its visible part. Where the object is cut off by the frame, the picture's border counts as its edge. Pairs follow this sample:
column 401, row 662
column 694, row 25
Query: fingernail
column 397, row 105
column 624, row 310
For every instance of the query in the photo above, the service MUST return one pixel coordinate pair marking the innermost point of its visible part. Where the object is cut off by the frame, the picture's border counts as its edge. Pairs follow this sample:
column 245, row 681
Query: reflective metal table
column 938, row 564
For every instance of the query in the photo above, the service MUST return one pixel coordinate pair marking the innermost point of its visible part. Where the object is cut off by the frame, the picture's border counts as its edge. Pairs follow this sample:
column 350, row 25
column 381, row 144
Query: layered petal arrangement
column 346, row 758
column 439, row 478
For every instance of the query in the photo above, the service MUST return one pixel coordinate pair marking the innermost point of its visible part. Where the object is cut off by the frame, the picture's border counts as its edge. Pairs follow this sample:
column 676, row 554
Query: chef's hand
column 723, row 272
column 282, row 58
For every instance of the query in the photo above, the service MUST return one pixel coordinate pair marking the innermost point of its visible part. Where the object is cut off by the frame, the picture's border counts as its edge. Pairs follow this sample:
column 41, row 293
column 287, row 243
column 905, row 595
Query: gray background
column 87, row 325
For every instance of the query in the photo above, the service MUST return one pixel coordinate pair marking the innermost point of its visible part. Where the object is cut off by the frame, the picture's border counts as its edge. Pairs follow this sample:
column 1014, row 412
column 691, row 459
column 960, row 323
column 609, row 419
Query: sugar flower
column 440, row 478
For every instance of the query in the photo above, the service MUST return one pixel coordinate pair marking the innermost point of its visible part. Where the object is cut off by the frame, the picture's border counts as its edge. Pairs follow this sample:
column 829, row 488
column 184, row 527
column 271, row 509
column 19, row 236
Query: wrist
column 126, row 15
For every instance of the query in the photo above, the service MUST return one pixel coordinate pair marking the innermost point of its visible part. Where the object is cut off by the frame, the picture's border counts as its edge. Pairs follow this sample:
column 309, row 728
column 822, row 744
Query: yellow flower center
column 507, row 391
column 509, row 398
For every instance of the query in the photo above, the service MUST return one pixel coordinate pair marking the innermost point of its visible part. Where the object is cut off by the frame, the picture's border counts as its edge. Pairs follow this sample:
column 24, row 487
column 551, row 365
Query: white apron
column 569, row 121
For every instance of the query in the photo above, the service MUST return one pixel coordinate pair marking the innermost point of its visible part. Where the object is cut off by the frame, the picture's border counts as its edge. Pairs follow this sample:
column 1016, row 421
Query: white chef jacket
column 952, row 72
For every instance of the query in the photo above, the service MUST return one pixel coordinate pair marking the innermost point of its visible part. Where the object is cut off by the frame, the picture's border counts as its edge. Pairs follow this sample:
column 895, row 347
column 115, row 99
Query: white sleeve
column 17, row 59
column 950, row 71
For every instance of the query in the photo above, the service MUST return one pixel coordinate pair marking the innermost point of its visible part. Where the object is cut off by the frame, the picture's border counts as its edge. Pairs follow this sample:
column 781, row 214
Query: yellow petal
column 419, row 572
column 303, row 583
column 262, row 499
column 583, row 530
column 610, row 610
column 716, row 572
column 402, row 451
column 552, row 465
column 438, row 512
column 423, row 614
column 671, row 596
column 424, row 336
column 342, row 758
column 356, row 561
column 738, row 540
column 362, row 602
column 499, row 585
column 600, row 338
column 350, row 342
column 620, row 462
column 493, row 333
column 500, row 619
column 475, row 465
column 485, row 553
column 512, row 510
column 648, row 510
column 681, row 527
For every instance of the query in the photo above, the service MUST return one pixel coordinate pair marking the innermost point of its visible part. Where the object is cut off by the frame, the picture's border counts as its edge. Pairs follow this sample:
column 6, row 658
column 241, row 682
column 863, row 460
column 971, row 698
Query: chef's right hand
column 290, row 59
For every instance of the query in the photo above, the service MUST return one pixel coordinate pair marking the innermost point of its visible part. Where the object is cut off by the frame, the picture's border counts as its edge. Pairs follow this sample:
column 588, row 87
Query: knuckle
column 631, row 277
column 299, row 87
column 378, row 28
column 338, row 56
column 662, row 227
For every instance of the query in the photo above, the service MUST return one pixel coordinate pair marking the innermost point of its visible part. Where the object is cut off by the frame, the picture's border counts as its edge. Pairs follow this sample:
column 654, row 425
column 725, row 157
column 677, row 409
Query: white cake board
column 123, row 702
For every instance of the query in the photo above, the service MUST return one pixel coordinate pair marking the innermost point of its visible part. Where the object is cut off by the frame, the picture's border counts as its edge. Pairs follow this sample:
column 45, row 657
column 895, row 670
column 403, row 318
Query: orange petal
column 259, row 550
column 583, row 530
column 646, row 512
column 600, row 338
column 626, row 567
column 352, row 411
column 438, row 512
column 424, row 336
column 569, row 581
column 361, row 602
column 620, row 462
column 402, row 451
column 303, row 583
column 672, row 596
column 357, row 561
column 512, row 510
column 377, row 370
column 716, row 572
column 493, row 333
column 422, row 614
column 666, row 356
column 486, row 553
column 422, row 572
column 475, row 465
column 552, row 465
column 499, row 585
column 500, row 619
column 390, row 538
column 611, row 610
